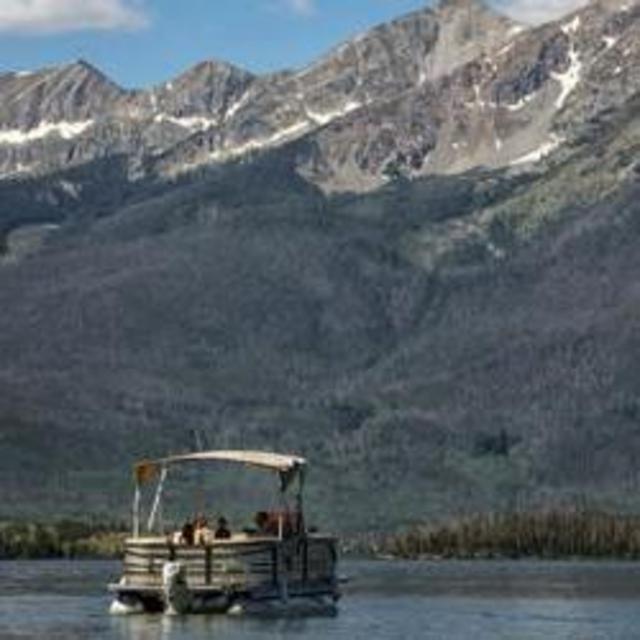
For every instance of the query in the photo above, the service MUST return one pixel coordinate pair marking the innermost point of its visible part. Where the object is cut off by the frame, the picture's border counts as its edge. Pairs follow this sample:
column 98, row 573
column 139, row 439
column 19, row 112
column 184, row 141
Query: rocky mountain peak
column 491, row 94
column 466, row 30
column 210, row 71
column 441, row 89
column 209, row 87
column 69, row 93
column 456, row 5
column 81, row 71
column 469, row 10
column 84, row 65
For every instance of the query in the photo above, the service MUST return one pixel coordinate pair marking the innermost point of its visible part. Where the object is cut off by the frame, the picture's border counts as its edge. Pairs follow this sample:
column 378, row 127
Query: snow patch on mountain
column 193, row 123
column 568, row 80
column 521, row 104
column 65, row 130
column 274, row 140
column 325, row 117
column 572, row 27
column 541, row 152
column 237, row 105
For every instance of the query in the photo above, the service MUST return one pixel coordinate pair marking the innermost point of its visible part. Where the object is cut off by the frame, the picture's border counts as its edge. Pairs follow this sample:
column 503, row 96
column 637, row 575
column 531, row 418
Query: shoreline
column 549, row 535
column 544, row 536
column 432, row 560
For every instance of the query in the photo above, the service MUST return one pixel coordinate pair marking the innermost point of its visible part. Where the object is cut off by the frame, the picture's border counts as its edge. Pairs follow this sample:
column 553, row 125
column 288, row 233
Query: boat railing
column 235, row 564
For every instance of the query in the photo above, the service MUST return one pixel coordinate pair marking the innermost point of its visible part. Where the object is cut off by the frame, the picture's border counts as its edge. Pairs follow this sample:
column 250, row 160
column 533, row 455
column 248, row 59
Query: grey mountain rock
column 217, row 112
column 72, row 93
column 210, row 88
column 360, row 76
column 510, row 106
column 437, row 91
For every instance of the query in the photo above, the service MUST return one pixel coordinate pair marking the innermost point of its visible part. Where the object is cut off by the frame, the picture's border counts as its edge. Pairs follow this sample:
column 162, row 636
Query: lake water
column 386, row 600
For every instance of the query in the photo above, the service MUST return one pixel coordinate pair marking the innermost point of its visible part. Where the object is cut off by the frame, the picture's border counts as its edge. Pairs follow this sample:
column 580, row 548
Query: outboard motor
column 177, row 598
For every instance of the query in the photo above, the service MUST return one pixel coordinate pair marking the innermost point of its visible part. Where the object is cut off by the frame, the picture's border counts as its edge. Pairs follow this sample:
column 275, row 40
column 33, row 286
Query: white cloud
column 302, row 7
column 530, row 11
column 538, row 11
column 55, row 16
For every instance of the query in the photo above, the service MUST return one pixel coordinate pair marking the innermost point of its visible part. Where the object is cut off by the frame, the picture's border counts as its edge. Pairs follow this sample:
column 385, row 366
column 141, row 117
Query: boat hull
column 131, row 602
column 248, row 576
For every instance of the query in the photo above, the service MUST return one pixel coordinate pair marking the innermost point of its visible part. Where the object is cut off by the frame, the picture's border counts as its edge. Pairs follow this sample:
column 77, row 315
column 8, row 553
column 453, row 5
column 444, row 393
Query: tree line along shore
column 65, row 539
column 545, row 534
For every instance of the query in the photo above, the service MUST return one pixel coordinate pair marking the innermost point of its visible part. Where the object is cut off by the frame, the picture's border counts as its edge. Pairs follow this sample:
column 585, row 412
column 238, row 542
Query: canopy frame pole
column 283, row 507
column 302, row 524
column 157, row 499
column 136, row 511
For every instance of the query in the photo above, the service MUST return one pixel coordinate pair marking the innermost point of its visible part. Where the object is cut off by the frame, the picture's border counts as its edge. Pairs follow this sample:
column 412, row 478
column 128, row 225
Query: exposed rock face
column 367, row 74
column 512, row 105
column 73, row 93
column 208, row 89
column 437, row 91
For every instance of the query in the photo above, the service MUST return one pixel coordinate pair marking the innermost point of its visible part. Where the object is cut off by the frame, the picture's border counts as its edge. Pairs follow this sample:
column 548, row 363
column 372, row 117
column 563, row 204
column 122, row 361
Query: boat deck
column 243, row 563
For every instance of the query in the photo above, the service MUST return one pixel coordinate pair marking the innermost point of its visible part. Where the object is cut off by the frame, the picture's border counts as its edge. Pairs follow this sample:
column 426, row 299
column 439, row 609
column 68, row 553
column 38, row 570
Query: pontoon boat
column 278, row 565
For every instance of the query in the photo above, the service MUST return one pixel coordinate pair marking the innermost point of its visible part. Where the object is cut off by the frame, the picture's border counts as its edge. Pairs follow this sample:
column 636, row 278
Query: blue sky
column 143, row 42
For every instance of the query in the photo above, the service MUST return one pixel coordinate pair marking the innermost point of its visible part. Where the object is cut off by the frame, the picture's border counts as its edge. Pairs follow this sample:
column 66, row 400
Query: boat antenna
column 199, row 440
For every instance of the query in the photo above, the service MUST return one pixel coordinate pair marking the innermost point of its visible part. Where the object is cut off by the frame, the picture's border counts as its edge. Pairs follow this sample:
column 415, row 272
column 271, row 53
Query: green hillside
column 439, row 347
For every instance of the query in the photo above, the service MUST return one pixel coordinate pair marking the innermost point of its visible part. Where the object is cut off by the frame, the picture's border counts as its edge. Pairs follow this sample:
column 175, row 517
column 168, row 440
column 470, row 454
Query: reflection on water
column 482, row 601
column 166, row 628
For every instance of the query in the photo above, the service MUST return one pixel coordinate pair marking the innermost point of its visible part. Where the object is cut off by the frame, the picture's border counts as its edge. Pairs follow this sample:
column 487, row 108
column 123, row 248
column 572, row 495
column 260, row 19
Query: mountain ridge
column 422, row 87
column 242, row 111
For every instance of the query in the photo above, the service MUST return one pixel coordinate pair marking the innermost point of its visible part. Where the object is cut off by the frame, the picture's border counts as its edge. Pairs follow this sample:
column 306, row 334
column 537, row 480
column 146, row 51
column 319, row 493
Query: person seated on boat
column 262, row 522
column 223, row 532
column 271, row 523
column 187, row 534
column 202, row 534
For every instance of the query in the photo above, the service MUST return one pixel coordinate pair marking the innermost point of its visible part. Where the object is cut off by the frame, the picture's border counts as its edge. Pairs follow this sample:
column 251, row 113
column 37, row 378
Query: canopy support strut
column 157, row 499
column 136, row 512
